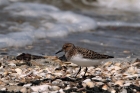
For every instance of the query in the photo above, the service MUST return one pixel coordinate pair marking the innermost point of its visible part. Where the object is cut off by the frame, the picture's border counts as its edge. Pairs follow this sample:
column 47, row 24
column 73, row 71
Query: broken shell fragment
column 54, row 88
column 107, row 64
column 105, row 87
column 117, row 67
column 27, row 85
column 3, row 89
column 88, row 83
column 119, row 82
column 41, row 88
column 19, row 71
column 112, row 91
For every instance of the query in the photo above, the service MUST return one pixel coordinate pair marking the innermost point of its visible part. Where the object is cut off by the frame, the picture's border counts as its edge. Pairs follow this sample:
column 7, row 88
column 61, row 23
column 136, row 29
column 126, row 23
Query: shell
column 127, row 84
column 61, row 91
column 41, row 88
column 124, row 91
column 119, row 82
column 57, row 82
column 87, row 80
column 68, row 87
column 5, row 73
column 105, row 87
column 98, row 69
column 91, row 70
column 137, row 64
column 59, row 74
column 42, row 74
column 113, row 91
column 117, row 64
column 50, row 76
column 107, row 64
column 73, row 65
column 126, row 51
column 131, row 70
column 117, row 67
column 12, row 65
column 3, row 89
column 110, row 68
column 97, row 78
column 23, row 90
column 90, row 84
column 99, row 83
column 132, row 76
column 19, row 71
column 27, row 85
column 139, row 82
column 54, row 88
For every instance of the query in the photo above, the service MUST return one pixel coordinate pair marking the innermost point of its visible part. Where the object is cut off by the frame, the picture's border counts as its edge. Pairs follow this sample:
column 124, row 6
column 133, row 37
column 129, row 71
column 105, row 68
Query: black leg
column 85, row 71
column 78, row 71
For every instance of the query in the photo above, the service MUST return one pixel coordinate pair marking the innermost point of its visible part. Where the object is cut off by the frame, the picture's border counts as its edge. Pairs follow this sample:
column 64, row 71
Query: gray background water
column 117, row 40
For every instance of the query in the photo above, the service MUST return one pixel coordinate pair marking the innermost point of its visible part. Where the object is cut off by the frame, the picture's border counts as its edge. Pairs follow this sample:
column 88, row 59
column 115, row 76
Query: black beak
column 59, row 51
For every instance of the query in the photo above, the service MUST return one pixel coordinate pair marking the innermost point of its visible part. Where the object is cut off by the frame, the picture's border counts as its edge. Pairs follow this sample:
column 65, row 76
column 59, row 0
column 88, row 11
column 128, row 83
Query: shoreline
column 32, row 73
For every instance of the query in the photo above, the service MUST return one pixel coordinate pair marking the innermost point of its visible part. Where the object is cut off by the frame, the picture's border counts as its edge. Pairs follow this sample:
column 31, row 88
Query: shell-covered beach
column 28, row 73
column 31, row 31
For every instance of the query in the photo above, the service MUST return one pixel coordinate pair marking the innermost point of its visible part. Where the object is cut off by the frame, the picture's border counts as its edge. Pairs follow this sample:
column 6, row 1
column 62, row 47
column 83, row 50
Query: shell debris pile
column 49, row 74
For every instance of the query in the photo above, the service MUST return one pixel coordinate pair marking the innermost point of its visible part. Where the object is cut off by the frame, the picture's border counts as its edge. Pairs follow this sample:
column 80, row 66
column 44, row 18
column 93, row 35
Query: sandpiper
column 82, row 56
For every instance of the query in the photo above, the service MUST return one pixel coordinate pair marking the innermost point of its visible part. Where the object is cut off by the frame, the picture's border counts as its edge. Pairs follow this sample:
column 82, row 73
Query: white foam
column 18, row 39
column 15, row 0
column 127, row 5
column 64, row 22
column 118, row 24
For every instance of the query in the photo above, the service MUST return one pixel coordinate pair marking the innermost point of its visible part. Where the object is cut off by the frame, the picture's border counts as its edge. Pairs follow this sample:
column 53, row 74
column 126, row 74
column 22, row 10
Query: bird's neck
column 70, row 53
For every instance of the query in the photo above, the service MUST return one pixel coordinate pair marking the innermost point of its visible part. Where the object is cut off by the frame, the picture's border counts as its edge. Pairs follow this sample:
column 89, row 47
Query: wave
column 125, row 5
column 48, row 21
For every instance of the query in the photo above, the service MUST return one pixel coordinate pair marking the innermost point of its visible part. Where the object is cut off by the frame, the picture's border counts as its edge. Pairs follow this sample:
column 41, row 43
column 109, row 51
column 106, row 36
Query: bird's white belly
column 79, row 60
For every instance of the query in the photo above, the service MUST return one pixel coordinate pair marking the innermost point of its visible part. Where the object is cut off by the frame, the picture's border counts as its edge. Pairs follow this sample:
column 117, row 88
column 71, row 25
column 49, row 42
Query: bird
column 82, row 56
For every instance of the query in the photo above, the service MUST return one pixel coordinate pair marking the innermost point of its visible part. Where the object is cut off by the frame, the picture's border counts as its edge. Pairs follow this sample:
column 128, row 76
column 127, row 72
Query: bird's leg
column 78, row 71
column 85, row 71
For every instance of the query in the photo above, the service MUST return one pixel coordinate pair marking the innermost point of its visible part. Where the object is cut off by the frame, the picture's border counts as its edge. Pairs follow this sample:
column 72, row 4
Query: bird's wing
column 91, row 54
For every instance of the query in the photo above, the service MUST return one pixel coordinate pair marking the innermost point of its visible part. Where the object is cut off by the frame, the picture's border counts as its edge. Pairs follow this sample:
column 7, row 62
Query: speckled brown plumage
column 72, row 50
column 91, row 54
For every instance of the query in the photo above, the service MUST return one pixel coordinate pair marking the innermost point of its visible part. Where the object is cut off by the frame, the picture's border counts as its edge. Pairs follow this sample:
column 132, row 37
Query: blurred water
column 43, row 26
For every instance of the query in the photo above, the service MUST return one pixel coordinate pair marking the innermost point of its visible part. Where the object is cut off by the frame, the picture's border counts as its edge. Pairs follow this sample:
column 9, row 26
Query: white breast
column 79, row 60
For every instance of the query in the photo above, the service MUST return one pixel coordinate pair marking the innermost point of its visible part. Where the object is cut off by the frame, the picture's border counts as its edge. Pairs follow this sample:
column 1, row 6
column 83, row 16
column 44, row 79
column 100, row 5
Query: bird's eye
column 65, row 46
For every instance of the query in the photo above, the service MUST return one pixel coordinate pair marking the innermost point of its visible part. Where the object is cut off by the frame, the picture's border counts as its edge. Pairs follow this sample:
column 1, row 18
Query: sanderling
column 82, row 56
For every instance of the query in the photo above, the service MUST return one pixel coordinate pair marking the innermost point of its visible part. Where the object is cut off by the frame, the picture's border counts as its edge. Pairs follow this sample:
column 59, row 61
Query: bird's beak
column 59, row 51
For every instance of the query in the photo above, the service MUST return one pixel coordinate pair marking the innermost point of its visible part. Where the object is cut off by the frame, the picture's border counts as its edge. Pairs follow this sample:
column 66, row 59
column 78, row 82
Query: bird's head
column 66, row 47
